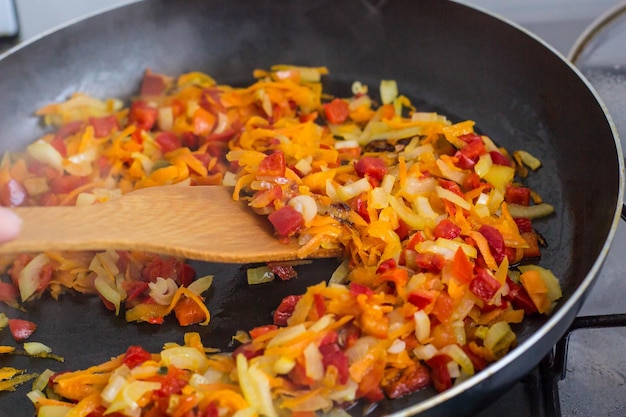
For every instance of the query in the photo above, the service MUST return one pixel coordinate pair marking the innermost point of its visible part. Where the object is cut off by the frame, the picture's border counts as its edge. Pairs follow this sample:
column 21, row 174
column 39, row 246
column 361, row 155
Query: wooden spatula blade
column 202, row 223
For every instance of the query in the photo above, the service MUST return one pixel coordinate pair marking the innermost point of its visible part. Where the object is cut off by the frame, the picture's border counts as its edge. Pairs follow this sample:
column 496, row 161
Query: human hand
column 10, row 224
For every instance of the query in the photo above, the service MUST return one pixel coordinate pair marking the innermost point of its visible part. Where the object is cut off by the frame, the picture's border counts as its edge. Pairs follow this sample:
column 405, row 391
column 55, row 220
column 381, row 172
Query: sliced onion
column 397, row 346
column 47, row 154
column 388, row 91
column 184, row 357
column 452, row 197
column 305, row 205
column 200, row 285
column 28, row 280
column 162, row 290
column 422, row 326
column 108, row 292
column 36, row 348
column 531, row 212
column 348, row 191
column 313, row 362
column 425, row 352
column 460, row 357
column 259, row 275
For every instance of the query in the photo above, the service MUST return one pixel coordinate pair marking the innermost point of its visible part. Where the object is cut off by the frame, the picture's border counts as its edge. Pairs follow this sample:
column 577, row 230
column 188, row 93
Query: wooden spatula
column 202, row 223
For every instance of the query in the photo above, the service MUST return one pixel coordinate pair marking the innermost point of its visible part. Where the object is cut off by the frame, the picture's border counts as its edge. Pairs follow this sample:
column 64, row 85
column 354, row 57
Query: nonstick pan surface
column 445, row 56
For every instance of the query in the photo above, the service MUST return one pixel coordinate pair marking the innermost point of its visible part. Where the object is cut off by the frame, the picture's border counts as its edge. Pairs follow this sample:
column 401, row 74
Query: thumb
column 10, row 224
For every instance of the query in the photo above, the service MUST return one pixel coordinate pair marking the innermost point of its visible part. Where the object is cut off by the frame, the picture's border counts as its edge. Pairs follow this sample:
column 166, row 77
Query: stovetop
column 587, row 375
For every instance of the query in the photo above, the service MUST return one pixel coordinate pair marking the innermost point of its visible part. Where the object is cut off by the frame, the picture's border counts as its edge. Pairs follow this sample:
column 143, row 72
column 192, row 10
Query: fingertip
column 10, row 224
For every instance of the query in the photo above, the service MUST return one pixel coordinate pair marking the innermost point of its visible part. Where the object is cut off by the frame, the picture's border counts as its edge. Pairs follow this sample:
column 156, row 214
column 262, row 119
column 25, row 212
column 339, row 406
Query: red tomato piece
column 420, row 299
column 519, row 297
column 439, row 373
column 474, row 148
column 285, row 309
column 59, row 144
column 471, row 181
column 8, row 292
column 152, row 84
column 103, row 126
column 412, row 379
column 499, row 159
column 337, row 111
column 431, row 262
column 463, row 161
column 13, row 194
column 495, row 240
column 135, row 356
column 333, row 356
column 68, row 129
column 287, row 221
column 356, row 289
column 517, row 195
column 386, row 265
column 483, row 285
column 524, row 225
column 247, row 351
column 66, row 183
column 168, row 141
column 446, row 229
column 21, row 329
column 272, row 165
column 450, row 186
column 143, row 115
column 359, row 206
column 371, row 167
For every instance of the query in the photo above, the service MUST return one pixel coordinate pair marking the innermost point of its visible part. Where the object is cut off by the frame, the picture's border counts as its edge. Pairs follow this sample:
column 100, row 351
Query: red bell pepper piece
column 337, row 111
column 484, row 286
column 135, row 356
column 371, row 167
column 446, row 229
column 285, row 309
column 21, row 329
column 287, row 221
column 272, row 165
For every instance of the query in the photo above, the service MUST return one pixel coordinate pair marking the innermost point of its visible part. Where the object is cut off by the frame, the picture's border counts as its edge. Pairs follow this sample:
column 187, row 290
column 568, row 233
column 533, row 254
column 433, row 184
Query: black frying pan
column 446, row 56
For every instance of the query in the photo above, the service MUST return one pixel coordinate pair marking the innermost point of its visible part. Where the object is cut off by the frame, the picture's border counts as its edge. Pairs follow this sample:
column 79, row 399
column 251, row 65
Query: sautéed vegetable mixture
column 437, row 228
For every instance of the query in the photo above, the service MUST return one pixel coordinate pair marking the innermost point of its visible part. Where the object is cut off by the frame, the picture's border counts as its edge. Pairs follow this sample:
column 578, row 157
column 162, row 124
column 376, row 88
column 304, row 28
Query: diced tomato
column 474, row 148
column 417, row 237
column 59, row 144
column 519, row 297
column 371, row 167
column 499, row 159
column 483, row 285
column 8, row 292
column 471, row 181
column 67, row 130
column 66, row 183
column 21, row 329
column 446, row 229
column 524, row 225
column 135, row 289
column 168, row 141
column 402, row 230
column 438, row 365
column 386, row 265
column 359, row 206
column 337, row 111
column 188, row 312
column 152, row 84
column 287, row 221
column 420, row 299
column 264, row 198
column 333, row 356
column 224, row 136
column 411, row 379
column 143, row 115
column 283, row 271
column 103, row 126
column 248, row 351
column 356, row 289
column 495, row 240
column 432, row 262
column 272, row 165
column 443, row 307
column 517, row 195
column 135, row 356
column 450, row 186
column 463, row 161
column 285, row 309
column 172, row 383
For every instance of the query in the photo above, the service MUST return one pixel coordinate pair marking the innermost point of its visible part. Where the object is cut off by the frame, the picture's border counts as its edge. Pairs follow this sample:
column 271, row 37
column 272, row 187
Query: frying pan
column 445, row 56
